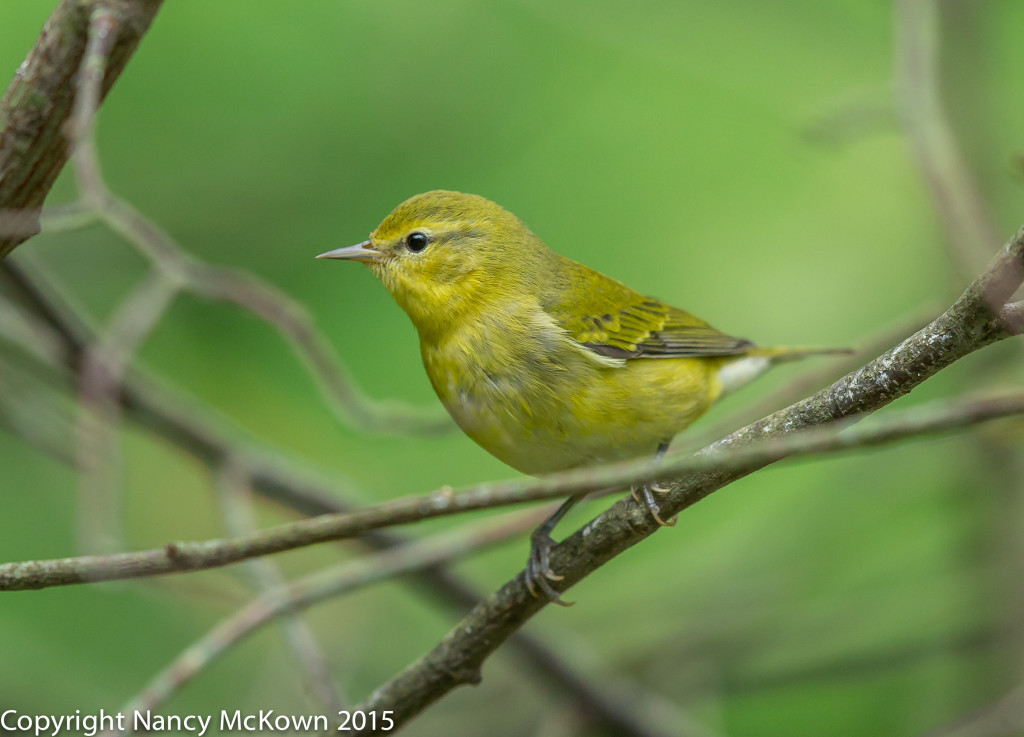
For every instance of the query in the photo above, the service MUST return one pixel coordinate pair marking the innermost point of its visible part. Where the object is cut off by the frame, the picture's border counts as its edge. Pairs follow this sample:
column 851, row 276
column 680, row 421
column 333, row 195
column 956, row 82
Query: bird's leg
column 538, row 567
column 646, row 490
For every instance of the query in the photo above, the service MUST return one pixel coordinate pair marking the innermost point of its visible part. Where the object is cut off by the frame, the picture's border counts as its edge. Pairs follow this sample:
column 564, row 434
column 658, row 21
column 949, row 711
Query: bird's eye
column 416, row 242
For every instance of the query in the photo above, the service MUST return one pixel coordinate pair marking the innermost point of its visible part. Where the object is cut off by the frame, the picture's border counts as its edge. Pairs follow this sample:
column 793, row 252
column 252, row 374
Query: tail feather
column 786, row 354
column 745, row 368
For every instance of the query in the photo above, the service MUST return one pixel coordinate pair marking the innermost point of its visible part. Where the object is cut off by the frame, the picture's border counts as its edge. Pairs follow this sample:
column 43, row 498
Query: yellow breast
column 539, row 401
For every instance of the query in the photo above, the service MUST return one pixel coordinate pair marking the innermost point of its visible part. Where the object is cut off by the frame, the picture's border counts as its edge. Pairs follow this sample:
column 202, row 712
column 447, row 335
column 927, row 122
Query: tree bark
column 35, row 109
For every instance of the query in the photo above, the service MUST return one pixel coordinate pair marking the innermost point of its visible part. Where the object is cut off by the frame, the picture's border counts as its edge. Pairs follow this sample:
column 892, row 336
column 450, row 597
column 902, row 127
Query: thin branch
column 719, row 459
column 236, row 506
column 53, row 219
column 40, row 99
column 294, row 323
column 102, row 373
column 103, row 25
column 72, row 216
column 290, row 598
column 965, row 327
column 918, row 98
column 23, row 328
column 29, row 410
column 24, row 283
column 857, row 116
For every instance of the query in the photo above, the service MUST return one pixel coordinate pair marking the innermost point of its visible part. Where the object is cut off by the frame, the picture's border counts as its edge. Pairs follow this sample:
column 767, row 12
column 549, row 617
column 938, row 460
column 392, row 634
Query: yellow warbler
column 546, row 363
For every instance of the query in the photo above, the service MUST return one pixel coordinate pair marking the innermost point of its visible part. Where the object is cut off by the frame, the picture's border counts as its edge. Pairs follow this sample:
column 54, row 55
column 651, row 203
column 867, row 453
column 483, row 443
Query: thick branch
column 39, row 101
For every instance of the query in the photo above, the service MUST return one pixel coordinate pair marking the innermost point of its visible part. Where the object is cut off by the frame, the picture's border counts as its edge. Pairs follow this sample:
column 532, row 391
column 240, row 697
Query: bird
column 546, row 363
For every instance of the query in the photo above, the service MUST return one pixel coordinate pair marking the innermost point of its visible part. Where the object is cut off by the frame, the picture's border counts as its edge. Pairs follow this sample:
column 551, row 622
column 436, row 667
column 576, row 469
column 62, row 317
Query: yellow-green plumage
column 545, row 363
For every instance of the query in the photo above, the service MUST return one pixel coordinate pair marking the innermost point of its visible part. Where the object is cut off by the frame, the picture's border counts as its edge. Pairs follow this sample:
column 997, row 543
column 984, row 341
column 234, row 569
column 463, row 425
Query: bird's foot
column 646, row 497
column 538, row 568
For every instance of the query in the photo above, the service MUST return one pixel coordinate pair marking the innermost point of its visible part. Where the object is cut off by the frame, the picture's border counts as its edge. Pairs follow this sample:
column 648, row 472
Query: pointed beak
column 359, row 252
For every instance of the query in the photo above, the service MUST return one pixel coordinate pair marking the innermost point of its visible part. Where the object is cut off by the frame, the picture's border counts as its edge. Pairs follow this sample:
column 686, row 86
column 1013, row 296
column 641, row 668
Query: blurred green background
column 740, row 160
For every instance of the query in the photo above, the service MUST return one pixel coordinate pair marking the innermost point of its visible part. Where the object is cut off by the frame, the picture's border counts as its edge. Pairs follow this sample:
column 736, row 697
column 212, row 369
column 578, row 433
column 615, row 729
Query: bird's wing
column 612, row 320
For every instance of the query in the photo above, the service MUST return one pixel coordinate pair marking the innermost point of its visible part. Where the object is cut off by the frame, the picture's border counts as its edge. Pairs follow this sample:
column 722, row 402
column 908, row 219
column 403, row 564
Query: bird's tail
column 745, row 368
column 784, row 355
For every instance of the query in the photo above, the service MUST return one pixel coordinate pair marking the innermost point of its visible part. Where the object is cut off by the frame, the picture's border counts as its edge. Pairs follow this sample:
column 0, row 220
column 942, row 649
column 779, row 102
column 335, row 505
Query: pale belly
column 562, row 409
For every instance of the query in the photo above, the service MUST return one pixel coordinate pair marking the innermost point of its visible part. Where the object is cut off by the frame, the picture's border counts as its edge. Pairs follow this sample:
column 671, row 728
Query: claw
column 660, row 489
column 652, row 506
column 530, row 587
column 538, row 569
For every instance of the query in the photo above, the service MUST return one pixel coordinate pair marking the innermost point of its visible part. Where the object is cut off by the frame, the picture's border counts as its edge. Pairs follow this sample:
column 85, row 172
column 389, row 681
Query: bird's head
column 444, row 254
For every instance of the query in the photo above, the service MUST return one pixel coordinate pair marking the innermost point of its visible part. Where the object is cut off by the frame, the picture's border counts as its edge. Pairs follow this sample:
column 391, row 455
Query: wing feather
column 612, row 320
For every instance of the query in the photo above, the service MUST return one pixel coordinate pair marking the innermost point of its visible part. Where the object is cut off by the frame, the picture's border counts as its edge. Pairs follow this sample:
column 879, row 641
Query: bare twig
column 857, row 116
column 72, row 216
column 54, row 219
column 21, row 327
column 29, row 410
column 103, row 25
column 25, row 284
column 287, row 599
column 236, row 506
column 293, row 322
column 102, row 372
column 719, row 459
column 958, row 201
